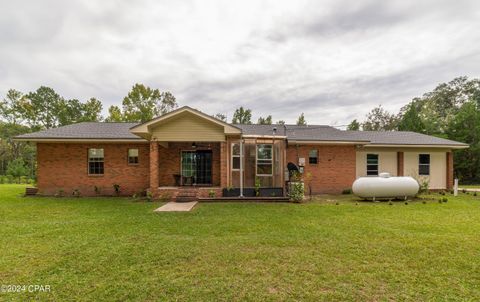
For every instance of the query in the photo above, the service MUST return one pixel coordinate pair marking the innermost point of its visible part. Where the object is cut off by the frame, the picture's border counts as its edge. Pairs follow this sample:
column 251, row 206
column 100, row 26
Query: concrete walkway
column 177, row 206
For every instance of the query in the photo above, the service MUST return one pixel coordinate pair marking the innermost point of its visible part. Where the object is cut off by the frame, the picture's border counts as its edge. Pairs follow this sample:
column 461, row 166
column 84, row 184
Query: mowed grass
column 117, row 249
column 469, row 186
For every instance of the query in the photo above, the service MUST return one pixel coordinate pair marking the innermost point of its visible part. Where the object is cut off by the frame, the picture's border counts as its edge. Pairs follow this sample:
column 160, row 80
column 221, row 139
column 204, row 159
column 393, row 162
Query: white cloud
column 332, row 60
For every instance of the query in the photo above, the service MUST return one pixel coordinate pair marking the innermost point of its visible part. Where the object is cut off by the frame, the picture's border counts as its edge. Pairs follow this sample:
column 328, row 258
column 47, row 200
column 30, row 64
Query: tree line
column 44, row 108
column 450, row 111
column 244, row 116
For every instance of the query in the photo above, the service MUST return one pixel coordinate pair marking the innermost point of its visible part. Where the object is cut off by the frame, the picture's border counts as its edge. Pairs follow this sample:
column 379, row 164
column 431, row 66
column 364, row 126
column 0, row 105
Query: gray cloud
column 332, row 60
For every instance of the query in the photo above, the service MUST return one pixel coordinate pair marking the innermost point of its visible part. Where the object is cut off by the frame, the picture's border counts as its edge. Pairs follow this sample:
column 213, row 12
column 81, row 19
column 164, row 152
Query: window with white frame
column 424, row 164
column 235, row 156
column 372, row 164
column 313, row 157
column 95, row 161
column 133, row 156
column 264, row 158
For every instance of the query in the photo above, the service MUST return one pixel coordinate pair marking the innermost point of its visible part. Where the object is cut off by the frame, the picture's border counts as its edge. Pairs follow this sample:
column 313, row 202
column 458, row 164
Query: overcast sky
column 333, row 60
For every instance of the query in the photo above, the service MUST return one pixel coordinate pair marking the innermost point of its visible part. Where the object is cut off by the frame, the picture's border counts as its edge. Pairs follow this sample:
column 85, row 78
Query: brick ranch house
column 189, row 149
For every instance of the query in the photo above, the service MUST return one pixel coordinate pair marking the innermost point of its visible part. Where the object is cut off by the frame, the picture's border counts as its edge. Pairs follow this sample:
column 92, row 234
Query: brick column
column 449, row 170
column 153, row 167
column 223, row 165
column 400, row 164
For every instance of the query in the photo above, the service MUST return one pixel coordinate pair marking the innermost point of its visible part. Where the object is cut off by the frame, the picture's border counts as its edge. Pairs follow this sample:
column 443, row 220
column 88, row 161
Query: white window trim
column 316, row 151
column 263, row 160
column 128, row 156
column 232, row 156
column 429, row 164
column 88, row 162
column 366, row 164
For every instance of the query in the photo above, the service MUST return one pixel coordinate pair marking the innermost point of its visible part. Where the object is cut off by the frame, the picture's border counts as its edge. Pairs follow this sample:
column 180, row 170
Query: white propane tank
column 385, row 186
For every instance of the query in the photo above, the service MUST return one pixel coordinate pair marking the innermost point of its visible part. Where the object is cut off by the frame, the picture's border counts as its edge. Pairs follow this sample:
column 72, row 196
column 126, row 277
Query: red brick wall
column 335, row 170
column 169, row 161
column 400, row 163
column 450, row 179
column 154, row 170
column 65, row 167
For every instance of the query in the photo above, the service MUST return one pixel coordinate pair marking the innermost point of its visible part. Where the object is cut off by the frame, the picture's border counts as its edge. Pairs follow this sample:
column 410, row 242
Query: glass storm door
column 197, row 165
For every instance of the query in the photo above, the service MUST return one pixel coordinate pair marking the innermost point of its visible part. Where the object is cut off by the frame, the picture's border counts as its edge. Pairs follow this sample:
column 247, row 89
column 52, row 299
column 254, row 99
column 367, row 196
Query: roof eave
column 449, row 146
column 329, row 142
column 78, row 140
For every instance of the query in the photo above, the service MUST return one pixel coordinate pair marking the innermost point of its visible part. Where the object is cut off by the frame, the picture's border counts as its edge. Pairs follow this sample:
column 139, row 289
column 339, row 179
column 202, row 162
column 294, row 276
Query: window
column 133, row 156
column 95, row 161
column 424, row 164
column 235, row 156
column 264, row 160
column 313, row 157
column 372, row 164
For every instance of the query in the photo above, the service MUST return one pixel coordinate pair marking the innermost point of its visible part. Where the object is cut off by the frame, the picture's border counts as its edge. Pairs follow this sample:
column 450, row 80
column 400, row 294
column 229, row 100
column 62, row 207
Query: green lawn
column 119, row 249
column 469, row 186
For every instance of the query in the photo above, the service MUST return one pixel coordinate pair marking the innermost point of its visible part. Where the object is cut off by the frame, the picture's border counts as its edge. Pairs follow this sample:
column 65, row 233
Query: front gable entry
column 185, row 124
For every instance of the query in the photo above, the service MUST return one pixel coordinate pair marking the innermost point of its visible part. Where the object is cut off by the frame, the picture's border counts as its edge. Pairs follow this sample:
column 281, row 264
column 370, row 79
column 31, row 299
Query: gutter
column 79, row 140
column 419, row 146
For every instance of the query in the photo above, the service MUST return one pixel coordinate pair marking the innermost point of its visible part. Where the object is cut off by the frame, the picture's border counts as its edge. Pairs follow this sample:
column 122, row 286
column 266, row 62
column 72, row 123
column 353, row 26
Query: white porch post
column 241, row 166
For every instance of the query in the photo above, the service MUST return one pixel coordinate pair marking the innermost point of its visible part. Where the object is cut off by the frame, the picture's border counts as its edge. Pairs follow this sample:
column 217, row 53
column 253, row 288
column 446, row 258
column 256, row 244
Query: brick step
column 187, row 194
column 31, row 191
column 185, row 198
column 187, row 190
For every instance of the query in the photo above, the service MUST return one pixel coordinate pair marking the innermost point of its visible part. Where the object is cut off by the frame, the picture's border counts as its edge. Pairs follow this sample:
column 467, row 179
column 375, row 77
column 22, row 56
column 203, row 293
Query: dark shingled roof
column 320, row 133
column 402, row 138
column 261, row 129
column 92, row 130
column 86, row 130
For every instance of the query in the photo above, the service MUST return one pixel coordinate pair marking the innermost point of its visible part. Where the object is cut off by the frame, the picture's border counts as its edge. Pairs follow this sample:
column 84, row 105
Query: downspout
column 241, row 166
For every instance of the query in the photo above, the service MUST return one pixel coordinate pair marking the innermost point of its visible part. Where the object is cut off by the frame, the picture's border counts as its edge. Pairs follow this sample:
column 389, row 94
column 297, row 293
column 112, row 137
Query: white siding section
column 387, row 161
column 438, row 168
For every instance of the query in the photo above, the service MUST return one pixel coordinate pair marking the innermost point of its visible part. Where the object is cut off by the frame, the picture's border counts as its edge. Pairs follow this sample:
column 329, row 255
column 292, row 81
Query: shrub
column 464, row 191
column 257, row 186
column 164, row 197
column 297, row 191
column 116, row 188
column 97, row 190
column 149, row 196
column 2, row 179
column 212, row 193
column 445, row 199
column 347, row 191
column 76, row 193
column 9, row 179
column 60, row 193
column 474, row 193
column 423, row 186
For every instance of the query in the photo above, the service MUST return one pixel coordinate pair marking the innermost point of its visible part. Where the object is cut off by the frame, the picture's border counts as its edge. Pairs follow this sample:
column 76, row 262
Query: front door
column 197, row 167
